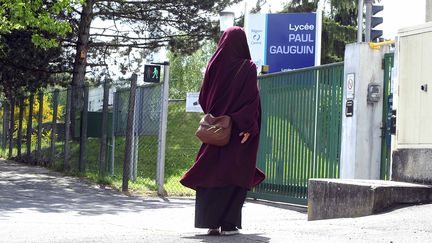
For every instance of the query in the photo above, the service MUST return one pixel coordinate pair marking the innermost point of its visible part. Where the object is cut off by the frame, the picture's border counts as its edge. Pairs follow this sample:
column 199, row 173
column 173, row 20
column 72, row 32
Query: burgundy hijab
column 225, row 93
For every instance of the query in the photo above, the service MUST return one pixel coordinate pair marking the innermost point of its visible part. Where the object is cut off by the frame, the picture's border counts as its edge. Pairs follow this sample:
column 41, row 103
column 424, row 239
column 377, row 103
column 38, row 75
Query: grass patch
column 181, row 149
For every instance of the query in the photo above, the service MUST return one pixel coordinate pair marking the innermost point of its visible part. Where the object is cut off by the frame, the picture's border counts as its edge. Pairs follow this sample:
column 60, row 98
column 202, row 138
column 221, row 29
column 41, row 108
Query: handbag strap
column 235, row 77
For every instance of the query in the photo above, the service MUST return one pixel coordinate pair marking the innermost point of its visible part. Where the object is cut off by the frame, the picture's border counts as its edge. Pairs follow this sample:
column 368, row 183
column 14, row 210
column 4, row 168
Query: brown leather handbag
column 214, row 130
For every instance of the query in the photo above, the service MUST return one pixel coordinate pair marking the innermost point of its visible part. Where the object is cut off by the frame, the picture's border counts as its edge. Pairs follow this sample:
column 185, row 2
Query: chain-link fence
column 34, row 130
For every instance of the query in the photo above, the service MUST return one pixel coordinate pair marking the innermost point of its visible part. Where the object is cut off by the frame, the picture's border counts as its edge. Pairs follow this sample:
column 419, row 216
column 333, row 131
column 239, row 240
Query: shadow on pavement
column 234, row 238
column 36, row 188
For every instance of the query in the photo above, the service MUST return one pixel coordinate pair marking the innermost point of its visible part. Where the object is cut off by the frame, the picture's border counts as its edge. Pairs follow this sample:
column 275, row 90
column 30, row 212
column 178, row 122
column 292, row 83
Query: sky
column 397, row 14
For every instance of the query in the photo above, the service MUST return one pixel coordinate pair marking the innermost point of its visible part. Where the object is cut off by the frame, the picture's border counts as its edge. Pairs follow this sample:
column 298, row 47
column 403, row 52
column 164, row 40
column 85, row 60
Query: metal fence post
column 54, row 126
column 30, row 126
column 134, row 161
column 83, row 131
column 160, row 169
column 129, row 134
column 104, row 126
column 6, row 111
column 20, row 125
column 314, row 150
column 39, row 127
column 11, row 127
column 114, row 117
column 66, row 163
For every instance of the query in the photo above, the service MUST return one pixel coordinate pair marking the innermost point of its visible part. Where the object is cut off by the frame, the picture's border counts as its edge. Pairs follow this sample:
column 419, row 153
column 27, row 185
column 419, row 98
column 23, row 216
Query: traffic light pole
column 360, row 22
column 368, row 4
column 160, row 168
column 428, row 10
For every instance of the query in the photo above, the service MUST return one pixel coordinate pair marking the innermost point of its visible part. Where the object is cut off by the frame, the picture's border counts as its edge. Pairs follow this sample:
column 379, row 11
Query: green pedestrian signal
column 152, row 73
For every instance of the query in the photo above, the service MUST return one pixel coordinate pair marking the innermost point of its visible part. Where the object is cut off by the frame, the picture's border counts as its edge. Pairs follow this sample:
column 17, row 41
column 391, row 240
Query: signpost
column 350, row 85
column 282, row 41
column 192, row 104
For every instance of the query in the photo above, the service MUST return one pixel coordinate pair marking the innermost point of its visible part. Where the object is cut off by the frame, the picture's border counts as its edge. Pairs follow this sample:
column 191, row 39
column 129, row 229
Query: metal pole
column 317, row 103
column 39, row 127
column 318, row 32
column 30, row 127
column 134, row 151
column 66, row 164
column 160, row 172
column 368, row 4
column 11, row 126
column 20, row 125
column 428, row 10
column 360, row 22
column 113, row 132
column 83, row 130
column 104, row 126
column 6, row 113
column 136, row 135
column 129, row 134
column 54, row 127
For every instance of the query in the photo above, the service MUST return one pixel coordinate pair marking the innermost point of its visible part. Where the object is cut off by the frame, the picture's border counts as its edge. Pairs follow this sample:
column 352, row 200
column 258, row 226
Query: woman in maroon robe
column 221, row 175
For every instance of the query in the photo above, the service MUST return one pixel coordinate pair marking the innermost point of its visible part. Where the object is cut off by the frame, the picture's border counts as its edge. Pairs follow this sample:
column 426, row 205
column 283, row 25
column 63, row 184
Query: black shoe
column 213, row 232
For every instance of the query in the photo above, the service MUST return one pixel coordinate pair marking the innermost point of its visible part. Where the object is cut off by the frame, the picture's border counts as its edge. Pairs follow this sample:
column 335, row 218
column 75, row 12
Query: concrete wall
column 339, row 198
column 361, row 133
column 412, row 165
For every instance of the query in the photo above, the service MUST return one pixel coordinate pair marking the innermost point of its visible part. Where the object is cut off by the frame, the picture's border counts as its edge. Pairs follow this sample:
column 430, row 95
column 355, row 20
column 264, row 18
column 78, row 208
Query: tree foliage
column 130, row 30
column 187, row 71
column 40, row 16
column 23, row 66
column 47, row 117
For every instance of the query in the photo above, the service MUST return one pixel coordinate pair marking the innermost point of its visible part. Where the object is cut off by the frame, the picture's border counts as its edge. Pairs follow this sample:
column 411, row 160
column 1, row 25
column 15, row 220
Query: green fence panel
column 300, row 131
column 387, row 113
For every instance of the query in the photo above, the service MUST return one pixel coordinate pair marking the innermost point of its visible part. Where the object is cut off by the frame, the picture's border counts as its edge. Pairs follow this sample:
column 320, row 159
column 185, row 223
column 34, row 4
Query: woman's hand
column 245, row 136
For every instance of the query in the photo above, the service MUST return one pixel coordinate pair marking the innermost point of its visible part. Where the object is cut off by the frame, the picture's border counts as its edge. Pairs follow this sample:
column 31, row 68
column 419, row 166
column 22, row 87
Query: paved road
column 37, row 205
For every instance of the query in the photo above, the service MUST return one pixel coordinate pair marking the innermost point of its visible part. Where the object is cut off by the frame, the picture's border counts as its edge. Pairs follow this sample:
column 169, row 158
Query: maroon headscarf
column 230, row 88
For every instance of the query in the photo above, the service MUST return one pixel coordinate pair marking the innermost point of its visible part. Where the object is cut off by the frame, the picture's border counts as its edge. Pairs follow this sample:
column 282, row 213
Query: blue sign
column 290, row 41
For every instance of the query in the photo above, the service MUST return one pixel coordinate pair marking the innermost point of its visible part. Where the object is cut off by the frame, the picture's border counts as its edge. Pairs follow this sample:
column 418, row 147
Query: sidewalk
column 37, row 205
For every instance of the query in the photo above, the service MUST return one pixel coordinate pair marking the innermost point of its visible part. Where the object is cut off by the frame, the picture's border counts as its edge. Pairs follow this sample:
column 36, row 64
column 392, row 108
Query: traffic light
column 152, row 73
column 374, row 21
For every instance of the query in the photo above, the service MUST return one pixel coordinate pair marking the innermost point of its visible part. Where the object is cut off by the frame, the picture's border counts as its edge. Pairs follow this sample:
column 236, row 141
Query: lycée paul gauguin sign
column 282, row 41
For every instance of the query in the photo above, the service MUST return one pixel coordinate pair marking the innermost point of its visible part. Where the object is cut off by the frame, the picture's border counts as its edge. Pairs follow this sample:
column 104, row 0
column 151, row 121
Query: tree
column 39, row 16
column 187, row 71
column 339, row 25
column 136, row 28
column 24, row 67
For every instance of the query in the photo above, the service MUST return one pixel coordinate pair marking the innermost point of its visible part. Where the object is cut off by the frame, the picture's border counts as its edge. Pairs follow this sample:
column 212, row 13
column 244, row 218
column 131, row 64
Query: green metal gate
column 386, row 120
column 300, row 131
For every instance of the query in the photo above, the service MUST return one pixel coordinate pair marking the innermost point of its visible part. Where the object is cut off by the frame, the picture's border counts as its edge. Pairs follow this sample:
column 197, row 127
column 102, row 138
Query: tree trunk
column 80, row 63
